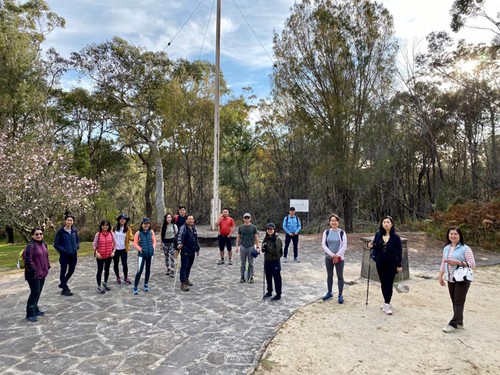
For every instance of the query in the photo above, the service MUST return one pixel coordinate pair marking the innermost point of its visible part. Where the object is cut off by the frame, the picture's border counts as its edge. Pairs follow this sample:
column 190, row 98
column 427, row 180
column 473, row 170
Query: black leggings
column 141, row 261
column 386, row 274
column 120, row 254
column 103, row 264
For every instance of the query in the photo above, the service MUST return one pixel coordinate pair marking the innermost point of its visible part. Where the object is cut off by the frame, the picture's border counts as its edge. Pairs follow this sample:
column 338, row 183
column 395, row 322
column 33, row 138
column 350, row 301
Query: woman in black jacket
column 388, row 257
column 272, row 247
column 36, row 260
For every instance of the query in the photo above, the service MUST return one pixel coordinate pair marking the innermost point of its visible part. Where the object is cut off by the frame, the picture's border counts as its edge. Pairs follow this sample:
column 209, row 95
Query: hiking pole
column 177, row 262
column 368, row 281
column 263, row 279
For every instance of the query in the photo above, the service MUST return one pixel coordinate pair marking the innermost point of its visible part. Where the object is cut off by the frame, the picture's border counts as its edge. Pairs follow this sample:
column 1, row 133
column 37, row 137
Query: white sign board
column 301, row 205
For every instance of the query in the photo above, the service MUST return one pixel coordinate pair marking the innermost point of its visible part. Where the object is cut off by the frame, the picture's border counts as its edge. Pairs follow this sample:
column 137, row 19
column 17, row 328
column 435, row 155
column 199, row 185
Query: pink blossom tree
column 36, row 184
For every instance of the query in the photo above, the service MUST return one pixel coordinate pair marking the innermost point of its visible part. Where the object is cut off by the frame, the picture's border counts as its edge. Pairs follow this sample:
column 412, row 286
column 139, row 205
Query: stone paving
column 219, row 327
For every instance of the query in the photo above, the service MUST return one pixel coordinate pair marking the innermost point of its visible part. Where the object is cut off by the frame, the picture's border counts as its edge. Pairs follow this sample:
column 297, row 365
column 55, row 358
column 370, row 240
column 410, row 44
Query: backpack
column 328, row 231
column 20, row 260
column 296, row 218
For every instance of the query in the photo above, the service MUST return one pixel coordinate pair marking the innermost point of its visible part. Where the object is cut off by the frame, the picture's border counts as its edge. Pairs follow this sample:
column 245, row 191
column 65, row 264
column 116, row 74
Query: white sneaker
column 382, row 306
column 449, row 329
column 387, row 308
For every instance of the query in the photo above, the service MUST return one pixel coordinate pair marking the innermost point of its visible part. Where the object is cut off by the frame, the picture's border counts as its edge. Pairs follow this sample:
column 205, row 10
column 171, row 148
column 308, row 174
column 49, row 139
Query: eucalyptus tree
column 334, row 65
column 132, row 79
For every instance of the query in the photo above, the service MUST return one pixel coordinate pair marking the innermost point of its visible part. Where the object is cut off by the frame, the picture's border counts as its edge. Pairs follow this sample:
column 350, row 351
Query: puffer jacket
column 104, row 244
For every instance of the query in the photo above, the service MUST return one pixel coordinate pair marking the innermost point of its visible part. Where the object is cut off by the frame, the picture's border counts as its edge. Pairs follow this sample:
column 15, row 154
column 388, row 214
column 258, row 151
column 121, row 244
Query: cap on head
column 292, row 209
column 146, row 220
column 122, row 216
column 270, row 226
column 246, row 214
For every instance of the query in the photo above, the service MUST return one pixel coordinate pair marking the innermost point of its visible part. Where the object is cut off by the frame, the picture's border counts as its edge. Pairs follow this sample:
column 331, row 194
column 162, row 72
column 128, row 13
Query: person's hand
column 399, row 269
column 237, row 249
column 139, row 249
column 112, row 254
column 98, row 256
column 441, row 281
column 197, row 253
column 370, row 244
column 179, row 246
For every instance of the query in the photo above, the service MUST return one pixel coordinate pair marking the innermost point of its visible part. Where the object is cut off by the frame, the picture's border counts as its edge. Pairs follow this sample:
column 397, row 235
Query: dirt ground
column 355, row 338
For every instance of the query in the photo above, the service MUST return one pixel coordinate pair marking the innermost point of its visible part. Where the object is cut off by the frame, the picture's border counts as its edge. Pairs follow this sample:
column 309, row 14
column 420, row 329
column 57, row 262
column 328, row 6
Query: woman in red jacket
column 104, row 250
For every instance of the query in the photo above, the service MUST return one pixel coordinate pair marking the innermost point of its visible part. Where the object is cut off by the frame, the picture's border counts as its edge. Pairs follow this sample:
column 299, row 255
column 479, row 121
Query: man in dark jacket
column 67, row 244
column 189, row 247
column 272, row 247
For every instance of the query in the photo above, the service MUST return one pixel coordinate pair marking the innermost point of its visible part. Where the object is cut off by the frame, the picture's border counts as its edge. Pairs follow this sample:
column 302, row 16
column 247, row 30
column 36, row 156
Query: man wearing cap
column 248, row 238
column 292, row 227
column 226, row 227
column 123, row 234
column 272, row 247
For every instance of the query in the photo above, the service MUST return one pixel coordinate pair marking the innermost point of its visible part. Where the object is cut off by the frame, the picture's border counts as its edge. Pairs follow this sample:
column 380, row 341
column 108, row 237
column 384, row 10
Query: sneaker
column 136, row 291
column 327, row 296
column 341, row 299
column 66, row 292
column 382, row 306
column 127, row 281
column 118, row 280
column 230, row 262
column 449, row 329
column 250, row 280
column 32, row 319
column 106, row 286
column 146, row 288
column 296, row 260
column 220, row 262
column 68, row 289
column 172, row 274
column 168, row 272
column 40, row 313
column 277, row 297
column 242, row 279
column 184, row 287
column 100, row 290
column 387, row 309
column 284, row 260
column 268, row 294
column 189, row 283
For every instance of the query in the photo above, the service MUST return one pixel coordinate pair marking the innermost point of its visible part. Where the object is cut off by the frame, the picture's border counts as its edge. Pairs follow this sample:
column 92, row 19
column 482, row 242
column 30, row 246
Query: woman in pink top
column 455, row 254
column 104, row 251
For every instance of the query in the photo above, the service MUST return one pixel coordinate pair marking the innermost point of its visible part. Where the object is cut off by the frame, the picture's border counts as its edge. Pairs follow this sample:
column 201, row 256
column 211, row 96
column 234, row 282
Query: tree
column 335, row 63
column 37, row 184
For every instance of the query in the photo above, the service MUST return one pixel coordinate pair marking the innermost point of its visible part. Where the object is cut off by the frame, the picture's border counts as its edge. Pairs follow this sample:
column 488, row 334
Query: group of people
column 179, row 239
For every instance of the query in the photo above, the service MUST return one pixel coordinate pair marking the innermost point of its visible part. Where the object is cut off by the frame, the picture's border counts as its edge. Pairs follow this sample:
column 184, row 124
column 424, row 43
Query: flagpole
column 215, row 199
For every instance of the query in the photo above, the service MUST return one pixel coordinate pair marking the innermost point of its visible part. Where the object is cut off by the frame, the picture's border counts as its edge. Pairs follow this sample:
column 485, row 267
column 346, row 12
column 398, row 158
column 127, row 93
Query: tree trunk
column 160, row 189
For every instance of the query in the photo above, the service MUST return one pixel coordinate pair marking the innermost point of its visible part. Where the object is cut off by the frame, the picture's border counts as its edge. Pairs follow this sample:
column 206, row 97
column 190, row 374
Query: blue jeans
column 186, row 264
column 36, row 286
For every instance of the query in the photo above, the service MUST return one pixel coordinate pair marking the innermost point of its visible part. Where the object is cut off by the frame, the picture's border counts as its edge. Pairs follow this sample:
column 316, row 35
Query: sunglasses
column 38, row 234
column 246, row 217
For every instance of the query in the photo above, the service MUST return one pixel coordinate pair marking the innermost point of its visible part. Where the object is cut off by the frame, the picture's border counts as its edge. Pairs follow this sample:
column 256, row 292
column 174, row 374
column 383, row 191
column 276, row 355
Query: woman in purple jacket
column 36, row 260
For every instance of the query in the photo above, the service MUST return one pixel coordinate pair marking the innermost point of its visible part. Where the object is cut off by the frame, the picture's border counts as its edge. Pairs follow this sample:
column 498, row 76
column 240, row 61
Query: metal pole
column 215, row 199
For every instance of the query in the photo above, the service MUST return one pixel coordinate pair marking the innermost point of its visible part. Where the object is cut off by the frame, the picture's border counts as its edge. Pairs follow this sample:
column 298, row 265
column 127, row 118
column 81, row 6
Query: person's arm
column 469, row 257
column 113, row 238
column 57, row 242
column 284, row 226
column 238, row 239
column 323, row 245
column 299, row 226
column 77, row 240
column 136, row 242
column 180, row 236
column 343, row 244
column 28, row 258
column 279, row 244
column 256, row 238
column 95, row 244
column 233, row 225
column 399, row 252
column 153, row 237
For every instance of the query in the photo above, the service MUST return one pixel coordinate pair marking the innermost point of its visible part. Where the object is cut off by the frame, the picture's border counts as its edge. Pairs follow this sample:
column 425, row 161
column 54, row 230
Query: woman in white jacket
column 334, row 244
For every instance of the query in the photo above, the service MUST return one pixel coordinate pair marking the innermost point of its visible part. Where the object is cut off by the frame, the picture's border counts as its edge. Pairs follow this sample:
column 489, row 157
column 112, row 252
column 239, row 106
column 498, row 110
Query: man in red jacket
column 226, row 227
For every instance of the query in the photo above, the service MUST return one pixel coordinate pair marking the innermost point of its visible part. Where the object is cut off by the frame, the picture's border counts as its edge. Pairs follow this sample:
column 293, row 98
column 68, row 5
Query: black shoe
column 66, row 292
column 68, row 289
column 242, row 279
column 32, row 319
column 268, row 294
column 100, row 290
column 40, row 313
column 277, row 297
column 105, row 285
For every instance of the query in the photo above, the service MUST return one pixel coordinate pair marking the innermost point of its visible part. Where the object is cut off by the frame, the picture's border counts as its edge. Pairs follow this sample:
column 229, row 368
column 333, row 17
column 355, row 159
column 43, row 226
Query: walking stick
column 177, row 262
column 263, row 279
column 368, row 281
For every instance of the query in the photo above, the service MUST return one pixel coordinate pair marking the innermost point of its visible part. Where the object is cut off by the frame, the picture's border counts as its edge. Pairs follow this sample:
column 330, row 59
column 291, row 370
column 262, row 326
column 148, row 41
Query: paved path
column 219, row 327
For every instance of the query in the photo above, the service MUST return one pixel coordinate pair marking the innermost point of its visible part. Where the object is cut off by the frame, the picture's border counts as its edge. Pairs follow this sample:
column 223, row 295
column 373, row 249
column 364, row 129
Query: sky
column 247, row 30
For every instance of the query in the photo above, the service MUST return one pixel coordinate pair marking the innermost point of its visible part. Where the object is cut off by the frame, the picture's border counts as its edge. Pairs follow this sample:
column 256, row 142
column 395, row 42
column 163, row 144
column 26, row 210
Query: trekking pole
column 177, row 263
column 368, row 281
column 263, row 278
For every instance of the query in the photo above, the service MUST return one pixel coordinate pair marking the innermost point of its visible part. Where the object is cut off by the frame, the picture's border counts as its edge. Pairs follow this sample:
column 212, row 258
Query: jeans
column 68, row 265
column 186, row 264
column 141, row 261
column 103, row 264
column 458, row 293
column 246, row 255
column 120, row 254
column 295, row 241
column 36, row 286
column 339, row 267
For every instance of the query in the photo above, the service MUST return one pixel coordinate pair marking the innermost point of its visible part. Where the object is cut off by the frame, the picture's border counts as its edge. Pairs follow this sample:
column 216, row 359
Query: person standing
column 334, row 244
column 388, row 258
column 226, row 227
column 67, row 244
column 248, row 238
column 104, row 250
column 123, row 237
column 37, row 265
column 145, row 243
column 292, row 227
column 272, row 247
column 455, row 254
column 169, row 232
column 180, row 217
column 189, row 248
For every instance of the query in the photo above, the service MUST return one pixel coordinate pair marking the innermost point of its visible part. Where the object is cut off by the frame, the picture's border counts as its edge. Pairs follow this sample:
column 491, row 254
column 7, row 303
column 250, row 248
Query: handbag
column 463, row 274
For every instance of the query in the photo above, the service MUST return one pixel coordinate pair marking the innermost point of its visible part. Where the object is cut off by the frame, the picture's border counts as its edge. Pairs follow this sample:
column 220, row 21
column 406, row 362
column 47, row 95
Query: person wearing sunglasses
column 104, row 250
column 37, row 265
